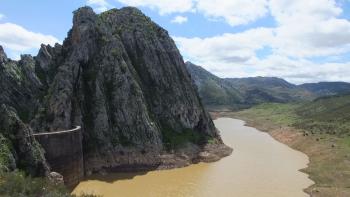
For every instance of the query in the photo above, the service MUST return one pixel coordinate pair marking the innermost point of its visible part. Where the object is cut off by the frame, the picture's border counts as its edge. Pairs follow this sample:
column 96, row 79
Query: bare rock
column 56, row 178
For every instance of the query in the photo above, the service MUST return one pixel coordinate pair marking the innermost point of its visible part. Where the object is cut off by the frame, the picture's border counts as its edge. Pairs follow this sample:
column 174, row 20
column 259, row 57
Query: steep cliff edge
column 120, row 76
column 18, row 102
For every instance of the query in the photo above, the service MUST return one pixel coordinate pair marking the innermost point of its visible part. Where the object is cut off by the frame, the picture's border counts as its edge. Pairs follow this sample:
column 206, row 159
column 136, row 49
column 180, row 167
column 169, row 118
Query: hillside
column 239, row 93
column 326, row 115
column 327, row 88
column 216, row 93
column 275, row 89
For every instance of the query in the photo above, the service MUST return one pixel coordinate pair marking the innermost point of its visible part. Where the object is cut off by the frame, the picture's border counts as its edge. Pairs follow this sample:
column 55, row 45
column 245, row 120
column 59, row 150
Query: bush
column 173, row 139
column 17, row 184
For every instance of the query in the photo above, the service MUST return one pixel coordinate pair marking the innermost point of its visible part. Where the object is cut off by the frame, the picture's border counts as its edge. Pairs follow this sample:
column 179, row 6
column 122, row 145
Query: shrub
column 18, row 184
column 174, row 139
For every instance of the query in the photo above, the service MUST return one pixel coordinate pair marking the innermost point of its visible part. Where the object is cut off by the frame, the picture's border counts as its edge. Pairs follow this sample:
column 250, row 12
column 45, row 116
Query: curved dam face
column 64, row 153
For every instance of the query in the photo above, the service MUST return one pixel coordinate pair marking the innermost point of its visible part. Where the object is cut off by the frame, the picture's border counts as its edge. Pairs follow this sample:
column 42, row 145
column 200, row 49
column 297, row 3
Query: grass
column 309, row 128
column 279, row 113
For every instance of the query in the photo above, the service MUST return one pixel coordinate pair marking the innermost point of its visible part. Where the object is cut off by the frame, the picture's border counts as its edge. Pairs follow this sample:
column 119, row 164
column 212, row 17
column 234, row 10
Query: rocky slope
column 216, row 92
column 119, row 76
column 18, row 85
column 18, row 149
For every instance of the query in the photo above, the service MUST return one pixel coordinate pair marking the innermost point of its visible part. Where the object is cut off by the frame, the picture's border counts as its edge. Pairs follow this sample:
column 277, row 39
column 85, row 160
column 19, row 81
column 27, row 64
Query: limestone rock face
column 124, row 81
column 46, row 62
column 20, row 90
column 121, row 78
column 3, row 57
column 19, row 86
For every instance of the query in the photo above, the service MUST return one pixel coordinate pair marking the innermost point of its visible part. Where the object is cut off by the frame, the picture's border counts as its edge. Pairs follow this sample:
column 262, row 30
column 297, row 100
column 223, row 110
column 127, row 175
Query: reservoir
column 259, row 166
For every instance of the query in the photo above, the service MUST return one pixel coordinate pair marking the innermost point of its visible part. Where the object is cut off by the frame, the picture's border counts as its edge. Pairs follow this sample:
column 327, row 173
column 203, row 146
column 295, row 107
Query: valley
column 110, row 104
column 320, row 129
column 232, row 94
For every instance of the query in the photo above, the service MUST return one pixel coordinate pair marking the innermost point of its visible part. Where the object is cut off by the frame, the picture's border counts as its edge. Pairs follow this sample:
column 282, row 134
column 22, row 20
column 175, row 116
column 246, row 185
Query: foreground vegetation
column 18, row 184
column 321, row 129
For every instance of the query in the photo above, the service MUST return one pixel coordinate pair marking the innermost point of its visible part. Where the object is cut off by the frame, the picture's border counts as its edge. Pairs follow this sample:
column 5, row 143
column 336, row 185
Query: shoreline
column 194, row 155
column 189, row 155
column 286, row 140
column 275, row 134
column 313, row 146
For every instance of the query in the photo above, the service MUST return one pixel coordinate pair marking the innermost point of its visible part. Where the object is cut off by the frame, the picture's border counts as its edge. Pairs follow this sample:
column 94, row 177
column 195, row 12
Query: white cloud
column 234, row 12
column 226, row 48
column 101, row 5
column 19, row 39
column 303, row 71
column 310, row 28
column 163, row 6
column 179, row 19
column 304, row 30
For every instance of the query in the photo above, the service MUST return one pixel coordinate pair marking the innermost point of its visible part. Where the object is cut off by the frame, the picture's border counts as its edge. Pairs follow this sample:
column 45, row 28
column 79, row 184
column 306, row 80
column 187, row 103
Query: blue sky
column 302, row 41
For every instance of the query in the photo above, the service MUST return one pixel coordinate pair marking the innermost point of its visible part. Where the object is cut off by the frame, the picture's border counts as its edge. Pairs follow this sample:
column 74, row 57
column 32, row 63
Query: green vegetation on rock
column 18, row 184
column 6, row 158
column 173, row 139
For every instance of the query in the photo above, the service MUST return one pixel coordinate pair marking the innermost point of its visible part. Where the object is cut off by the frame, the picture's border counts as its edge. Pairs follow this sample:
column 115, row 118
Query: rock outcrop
column 18, row 147
column 121, row 78
column 19, row 86
column 20, row 90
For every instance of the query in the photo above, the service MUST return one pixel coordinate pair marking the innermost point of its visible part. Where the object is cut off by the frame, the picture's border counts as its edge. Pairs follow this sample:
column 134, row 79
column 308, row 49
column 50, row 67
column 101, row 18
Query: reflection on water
column 259, row 166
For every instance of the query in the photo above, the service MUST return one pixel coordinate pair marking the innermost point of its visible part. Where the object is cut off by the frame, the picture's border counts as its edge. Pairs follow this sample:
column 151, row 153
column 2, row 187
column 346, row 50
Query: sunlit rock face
column 121, row 78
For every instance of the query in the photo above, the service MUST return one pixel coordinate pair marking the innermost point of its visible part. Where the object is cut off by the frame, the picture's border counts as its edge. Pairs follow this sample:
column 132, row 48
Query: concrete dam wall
column 64, row 153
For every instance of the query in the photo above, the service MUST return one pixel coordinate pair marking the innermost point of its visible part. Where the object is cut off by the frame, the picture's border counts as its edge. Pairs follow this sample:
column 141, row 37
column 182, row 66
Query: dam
column 64, row 153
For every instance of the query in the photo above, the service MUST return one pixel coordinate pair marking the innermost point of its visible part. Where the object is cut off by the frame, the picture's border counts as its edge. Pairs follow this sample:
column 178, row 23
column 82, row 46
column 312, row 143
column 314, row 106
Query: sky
column 298, row 40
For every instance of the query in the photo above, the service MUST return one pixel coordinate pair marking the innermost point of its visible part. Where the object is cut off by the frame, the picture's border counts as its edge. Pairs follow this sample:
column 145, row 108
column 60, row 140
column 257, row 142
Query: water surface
column 259, row 166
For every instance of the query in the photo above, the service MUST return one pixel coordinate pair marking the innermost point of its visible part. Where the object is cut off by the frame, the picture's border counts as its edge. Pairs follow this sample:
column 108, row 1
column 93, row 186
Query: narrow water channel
column 259, row 166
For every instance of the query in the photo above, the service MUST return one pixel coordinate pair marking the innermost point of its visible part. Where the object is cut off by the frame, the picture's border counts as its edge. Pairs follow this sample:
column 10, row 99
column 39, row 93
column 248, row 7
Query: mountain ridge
column 256, row 90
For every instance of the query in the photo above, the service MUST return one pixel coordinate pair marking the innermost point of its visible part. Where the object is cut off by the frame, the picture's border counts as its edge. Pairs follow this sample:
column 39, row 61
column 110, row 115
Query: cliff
column 121, row 78
column 18, row 87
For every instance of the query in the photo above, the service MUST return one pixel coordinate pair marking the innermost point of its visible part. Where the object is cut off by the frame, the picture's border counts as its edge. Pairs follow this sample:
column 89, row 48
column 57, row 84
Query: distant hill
column 268, row 82
column 216, row 93
column 327, row 88
column 238, row 93
column 258, row 90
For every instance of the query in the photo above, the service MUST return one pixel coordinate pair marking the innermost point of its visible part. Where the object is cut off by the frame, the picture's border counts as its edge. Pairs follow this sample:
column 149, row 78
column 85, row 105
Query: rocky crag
column 121, row 78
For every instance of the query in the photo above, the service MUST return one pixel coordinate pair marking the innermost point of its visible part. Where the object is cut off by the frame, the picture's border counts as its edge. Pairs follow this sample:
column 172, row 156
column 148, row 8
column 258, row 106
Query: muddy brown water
column 259, row 166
